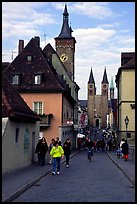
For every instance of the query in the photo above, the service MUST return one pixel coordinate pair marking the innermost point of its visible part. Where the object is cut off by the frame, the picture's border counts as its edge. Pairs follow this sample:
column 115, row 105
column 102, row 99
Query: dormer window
column 16, row 79
column 29, row 58
column 38, row 79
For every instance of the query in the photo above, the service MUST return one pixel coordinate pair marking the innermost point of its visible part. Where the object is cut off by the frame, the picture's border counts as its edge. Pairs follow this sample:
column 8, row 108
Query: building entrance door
column 97, row 122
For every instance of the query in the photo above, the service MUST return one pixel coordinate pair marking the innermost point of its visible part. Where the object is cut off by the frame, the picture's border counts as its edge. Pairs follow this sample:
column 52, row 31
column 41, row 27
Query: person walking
column 50, row 147
column 89, row 148
column 59, row 141
column 67, row 151
column 125, row 150
column 57, row 153
column 122, row 141
column 41, row 149
column 37, row 150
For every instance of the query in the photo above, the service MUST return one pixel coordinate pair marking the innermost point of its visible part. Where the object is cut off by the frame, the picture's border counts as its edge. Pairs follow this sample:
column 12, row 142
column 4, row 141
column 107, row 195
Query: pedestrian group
column 57, row 151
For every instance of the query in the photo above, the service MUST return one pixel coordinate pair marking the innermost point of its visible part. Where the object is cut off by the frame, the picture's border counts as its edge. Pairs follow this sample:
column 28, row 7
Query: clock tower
column 65, row 45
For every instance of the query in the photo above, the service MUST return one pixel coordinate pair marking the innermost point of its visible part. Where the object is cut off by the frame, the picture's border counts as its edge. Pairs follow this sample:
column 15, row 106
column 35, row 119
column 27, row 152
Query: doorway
column 97, row 122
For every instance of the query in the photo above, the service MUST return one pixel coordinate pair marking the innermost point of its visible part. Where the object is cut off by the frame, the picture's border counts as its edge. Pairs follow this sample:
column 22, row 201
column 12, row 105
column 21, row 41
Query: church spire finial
column 65, row 30
column 91, row 78
column 105, row 80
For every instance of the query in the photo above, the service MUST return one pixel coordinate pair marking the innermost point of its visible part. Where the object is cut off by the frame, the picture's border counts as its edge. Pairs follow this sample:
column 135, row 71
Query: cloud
column 24, row 19
column 97, row 10
column 96, row 47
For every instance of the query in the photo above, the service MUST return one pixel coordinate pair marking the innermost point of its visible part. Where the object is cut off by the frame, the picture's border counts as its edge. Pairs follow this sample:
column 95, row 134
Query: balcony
column 45, row 120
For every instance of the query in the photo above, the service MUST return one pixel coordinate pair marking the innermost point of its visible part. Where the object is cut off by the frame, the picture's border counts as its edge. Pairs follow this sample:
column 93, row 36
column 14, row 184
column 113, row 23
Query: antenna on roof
column 44, row 28
column 12, row 54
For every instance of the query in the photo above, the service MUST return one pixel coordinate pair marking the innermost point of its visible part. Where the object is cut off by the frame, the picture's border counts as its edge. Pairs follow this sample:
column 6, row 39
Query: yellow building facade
column 125, row 81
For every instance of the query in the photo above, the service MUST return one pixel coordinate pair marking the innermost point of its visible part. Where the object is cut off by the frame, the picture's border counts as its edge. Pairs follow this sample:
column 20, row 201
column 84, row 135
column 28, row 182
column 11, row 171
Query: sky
column 102, row 31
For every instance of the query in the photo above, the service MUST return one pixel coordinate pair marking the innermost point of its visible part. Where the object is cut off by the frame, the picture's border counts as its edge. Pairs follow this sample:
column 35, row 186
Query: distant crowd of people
column 98, row 145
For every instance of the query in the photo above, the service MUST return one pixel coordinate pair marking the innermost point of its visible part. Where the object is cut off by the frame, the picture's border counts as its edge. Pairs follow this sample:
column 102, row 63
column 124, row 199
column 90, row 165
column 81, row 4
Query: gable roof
column 48, row 51
column 127, row 66
column 5, row 65
column 13, row 105
column 51, row 82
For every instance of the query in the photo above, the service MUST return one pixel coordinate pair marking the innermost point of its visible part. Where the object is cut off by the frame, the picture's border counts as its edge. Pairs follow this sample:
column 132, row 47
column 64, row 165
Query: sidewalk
column 127, row 167
column 15, row 183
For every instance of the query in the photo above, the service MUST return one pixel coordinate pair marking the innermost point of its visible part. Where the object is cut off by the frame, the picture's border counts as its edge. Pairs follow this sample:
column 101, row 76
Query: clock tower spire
column 65, row 45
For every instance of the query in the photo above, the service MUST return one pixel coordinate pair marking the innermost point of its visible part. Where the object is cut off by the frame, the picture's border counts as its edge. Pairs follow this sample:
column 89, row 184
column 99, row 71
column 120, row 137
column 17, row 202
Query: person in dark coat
column 125, row 150
column 67, row 150
column 37, row 151
column 41, row 149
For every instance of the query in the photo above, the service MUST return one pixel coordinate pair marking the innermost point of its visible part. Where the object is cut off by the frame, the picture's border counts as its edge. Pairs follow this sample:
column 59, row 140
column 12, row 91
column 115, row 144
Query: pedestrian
column 102, row 145
column 50, row 147
column 67, row 150
column 57, row 138
column 89, row 148
column 95, row 145
column 98, row 145
column 110, row 144
column 79, row 142
column 41, row 149
column 57, row 153
column 125, row 150
column 122, row 141
column 118, row 151
column 37, row 150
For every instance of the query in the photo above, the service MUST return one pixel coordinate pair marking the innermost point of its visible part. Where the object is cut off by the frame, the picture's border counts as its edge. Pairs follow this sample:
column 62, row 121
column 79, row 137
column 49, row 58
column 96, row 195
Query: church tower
column 104, row 99
column 65, row 45
column 91, row 98
column 111, row 89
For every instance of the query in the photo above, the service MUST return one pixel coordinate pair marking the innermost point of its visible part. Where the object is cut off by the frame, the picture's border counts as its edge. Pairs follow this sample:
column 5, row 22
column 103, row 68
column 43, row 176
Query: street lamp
column 126, row 123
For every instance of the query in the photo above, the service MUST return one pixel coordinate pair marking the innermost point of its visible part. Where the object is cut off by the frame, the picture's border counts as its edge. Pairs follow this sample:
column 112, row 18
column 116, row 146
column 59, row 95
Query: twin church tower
column 97, row 104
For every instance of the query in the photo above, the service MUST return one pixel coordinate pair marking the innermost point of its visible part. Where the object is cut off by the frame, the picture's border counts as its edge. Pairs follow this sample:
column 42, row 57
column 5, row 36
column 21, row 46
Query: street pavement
column 13, row 184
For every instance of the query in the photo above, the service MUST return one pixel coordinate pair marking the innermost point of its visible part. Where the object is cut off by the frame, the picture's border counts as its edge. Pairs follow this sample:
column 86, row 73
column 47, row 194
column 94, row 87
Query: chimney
column 21, row 46
column 37, row 40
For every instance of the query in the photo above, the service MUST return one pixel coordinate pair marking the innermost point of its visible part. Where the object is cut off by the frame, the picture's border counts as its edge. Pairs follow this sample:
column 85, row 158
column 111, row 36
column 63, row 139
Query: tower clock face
column 64, row 57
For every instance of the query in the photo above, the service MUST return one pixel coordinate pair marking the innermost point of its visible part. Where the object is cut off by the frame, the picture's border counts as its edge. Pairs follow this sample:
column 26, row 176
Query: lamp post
column 126, row 123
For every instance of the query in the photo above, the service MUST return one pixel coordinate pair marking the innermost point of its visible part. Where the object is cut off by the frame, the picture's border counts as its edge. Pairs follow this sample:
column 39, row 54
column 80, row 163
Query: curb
column 35, row 180
column 128, row 177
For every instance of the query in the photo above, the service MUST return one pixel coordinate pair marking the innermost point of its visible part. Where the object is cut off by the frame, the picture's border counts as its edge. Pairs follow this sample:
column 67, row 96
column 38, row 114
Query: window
column 16, row 79
column 17, row 135
column 90, row 86
column 38, row 79
column 90, row 92
column 38, row 107
column 29, row 58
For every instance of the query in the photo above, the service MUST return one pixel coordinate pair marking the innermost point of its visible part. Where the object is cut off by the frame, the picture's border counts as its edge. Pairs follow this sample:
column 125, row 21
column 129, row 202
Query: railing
column 45, row 120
